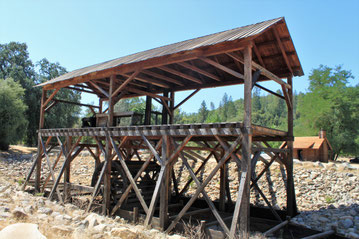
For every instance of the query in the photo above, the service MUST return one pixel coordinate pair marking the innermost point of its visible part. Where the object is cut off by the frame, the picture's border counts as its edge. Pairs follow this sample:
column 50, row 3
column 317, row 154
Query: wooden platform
column 182, row 130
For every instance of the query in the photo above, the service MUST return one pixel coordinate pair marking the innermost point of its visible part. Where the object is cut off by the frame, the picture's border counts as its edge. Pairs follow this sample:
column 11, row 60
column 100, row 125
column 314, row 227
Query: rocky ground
column 327, row 196
column 53, row 219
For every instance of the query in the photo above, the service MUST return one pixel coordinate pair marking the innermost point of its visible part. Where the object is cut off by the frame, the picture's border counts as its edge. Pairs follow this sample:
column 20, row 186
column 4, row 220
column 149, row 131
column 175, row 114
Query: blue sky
column 81, row 33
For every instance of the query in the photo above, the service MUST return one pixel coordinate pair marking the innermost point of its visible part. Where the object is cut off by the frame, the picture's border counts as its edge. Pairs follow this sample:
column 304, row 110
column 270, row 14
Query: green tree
column 202, row 112
column 12, row 109
column 331, row 105
column 16, row 64
column 61, row 115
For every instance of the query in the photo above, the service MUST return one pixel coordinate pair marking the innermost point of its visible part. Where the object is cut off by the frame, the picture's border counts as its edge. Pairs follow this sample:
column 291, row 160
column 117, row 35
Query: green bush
column 12, row 113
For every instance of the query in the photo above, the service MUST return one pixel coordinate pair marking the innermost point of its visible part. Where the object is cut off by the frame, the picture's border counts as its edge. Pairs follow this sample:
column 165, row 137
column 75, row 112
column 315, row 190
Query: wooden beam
column 247, row 142
column 162, row 77
column 129, row 176
column 53, row 103
column 199, row 70
column 50, row 97
column 206, row 197
column 258, row 54
column 141, row 92
column 276, row 228
column 158, row 61
column 222, row 67
column 129, row 187
column 75, row 103
column 81, row 90
column 155, row 196
column 178, row 73
column 287, row 98
column 204, row 184
column 151, row 81
column 99, row 88
column 50, row 168
column 263, row 70
column 280, row 44
column 124, row 84
column 187, row 98
column 242, row 183
column 269, row 91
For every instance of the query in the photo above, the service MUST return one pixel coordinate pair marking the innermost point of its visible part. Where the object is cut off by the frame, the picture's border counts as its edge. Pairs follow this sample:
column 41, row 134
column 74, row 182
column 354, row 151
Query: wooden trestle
column 248, row 56
column 166, row 144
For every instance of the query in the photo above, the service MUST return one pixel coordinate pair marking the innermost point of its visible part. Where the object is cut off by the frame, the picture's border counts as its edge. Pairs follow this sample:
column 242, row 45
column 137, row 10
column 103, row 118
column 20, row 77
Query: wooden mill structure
column 247, row 55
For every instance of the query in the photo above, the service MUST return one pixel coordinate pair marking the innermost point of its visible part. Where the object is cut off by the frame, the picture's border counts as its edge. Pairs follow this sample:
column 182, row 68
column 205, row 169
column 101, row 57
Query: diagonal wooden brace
column 129, row 176
column 204, row 184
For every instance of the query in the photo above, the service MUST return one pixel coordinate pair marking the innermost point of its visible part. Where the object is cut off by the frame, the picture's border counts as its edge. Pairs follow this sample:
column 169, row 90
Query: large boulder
column 21, row 230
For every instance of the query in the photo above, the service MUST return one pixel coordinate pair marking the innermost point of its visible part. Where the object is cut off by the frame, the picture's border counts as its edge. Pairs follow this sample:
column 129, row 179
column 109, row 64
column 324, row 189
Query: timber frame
column 263, row 52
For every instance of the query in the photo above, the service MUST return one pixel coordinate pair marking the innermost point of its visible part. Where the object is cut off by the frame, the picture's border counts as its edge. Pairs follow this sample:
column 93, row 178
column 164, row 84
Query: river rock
column 21, row 230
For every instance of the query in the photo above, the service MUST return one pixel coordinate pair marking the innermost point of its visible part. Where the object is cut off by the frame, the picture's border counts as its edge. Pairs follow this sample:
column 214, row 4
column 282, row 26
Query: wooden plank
column 66, row 190
column 204, row 184
column 106, row 204
column 155, row 197
column 222, row 67
column 178, row 73
column 162, row 77
column 242, row 183
column 164, row 183
column 187, row 98
column 281, row 47
column 127, row 81
column 199, row 70
column 97, row 186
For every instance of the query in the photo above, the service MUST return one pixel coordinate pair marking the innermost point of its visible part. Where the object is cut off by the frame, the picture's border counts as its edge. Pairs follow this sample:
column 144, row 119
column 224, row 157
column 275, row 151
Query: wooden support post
column 148, row 110
column 111, row 101
column 222, row 189
column 135, row 215
column 247, row 142
column 165, row 183
column 67, row 189
column 107, row 179
column 100, row 106
column 291, row 201
column 39, row 151
column 164, row 109
column 172, row 107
